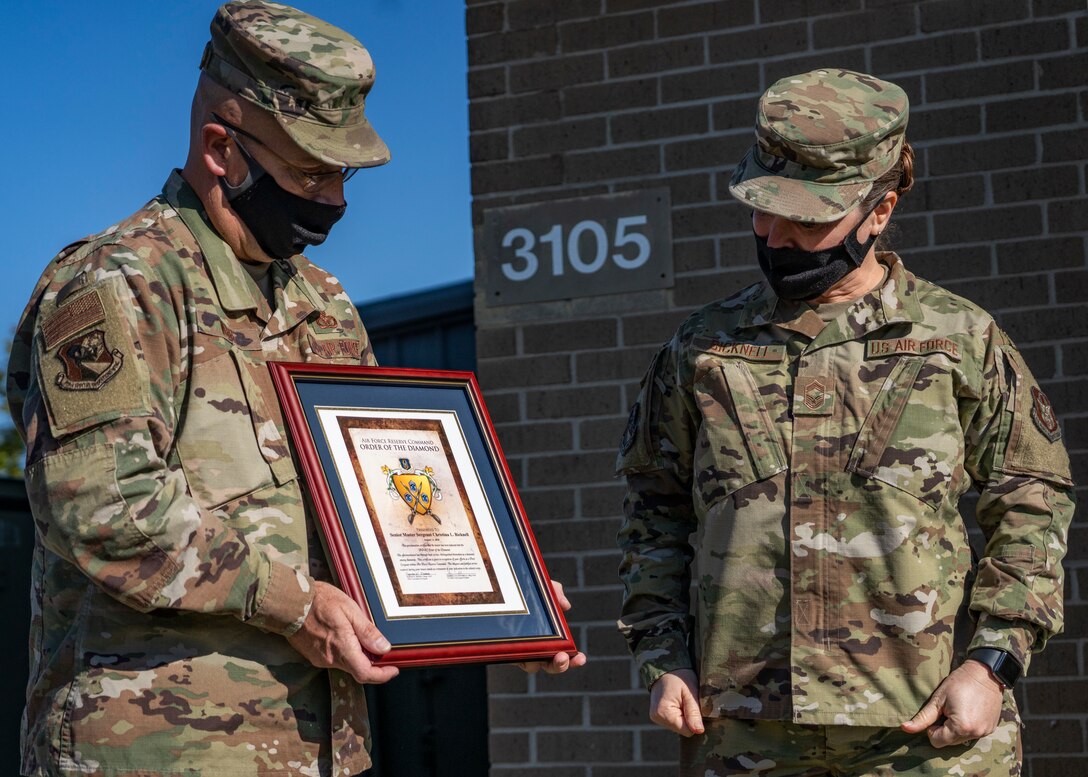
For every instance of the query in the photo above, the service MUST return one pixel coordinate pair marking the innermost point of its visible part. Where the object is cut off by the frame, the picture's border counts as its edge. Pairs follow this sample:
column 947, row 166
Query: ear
column 883, row 212
column 217, row 150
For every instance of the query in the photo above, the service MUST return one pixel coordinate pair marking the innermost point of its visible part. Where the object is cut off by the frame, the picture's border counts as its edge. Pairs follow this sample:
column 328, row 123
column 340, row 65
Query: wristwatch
column 1001, row 664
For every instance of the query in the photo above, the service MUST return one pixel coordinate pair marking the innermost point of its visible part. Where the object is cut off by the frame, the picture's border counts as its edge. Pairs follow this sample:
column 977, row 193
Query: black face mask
column 796, row 274
column 283, row 223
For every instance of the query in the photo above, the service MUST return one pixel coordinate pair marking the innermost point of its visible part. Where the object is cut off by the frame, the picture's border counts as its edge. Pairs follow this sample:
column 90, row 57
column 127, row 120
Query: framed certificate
column 419, row 514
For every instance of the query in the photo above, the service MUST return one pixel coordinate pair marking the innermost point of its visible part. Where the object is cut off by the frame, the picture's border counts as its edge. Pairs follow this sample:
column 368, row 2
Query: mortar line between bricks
column 981, row 62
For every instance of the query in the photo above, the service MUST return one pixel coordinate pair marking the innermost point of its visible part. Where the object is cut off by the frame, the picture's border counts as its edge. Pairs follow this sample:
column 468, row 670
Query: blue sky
column 97, row 115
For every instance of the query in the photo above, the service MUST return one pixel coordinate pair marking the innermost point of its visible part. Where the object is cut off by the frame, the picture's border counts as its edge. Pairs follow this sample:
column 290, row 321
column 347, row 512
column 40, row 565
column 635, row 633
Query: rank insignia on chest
column 1042, row 413
column 326, row 322
column 812, row 395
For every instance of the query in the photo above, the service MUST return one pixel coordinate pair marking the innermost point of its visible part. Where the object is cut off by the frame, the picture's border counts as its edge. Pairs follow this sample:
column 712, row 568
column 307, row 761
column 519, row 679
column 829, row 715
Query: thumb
column 924, row 718
column 693, row 716
column 369, row 636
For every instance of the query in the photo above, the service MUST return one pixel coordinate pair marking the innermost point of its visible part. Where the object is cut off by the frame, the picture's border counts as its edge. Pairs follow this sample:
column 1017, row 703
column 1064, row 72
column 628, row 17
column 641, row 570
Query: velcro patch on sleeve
column 876, row 349
column 88, row 368
column 1034, row 439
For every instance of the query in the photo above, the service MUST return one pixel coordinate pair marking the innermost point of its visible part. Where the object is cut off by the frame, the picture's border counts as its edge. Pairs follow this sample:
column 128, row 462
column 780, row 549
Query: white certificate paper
column 427, row 530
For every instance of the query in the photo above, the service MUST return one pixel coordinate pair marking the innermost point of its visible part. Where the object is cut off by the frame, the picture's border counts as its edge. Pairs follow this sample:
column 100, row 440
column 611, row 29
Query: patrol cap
column 822, row 138
column 313, row 78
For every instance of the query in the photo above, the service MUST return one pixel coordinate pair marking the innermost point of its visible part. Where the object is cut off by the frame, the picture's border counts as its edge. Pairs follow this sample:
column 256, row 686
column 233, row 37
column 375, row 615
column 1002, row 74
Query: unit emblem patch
column 1042, row 413
column 89, row 362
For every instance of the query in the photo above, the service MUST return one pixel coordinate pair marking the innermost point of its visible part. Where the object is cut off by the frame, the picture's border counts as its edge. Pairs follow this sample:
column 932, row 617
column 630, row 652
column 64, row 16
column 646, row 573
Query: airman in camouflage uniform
column 803, row 462
column 175, row 555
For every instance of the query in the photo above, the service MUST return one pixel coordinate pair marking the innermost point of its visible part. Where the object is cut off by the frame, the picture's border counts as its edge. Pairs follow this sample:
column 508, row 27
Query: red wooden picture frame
column 351, row 515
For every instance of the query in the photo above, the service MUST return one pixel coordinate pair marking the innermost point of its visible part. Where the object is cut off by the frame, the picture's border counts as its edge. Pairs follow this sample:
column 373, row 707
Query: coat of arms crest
column 415, row 487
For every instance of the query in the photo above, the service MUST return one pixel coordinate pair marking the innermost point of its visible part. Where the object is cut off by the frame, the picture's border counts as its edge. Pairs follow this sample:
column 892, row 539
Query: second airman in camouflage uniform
column 802, row 463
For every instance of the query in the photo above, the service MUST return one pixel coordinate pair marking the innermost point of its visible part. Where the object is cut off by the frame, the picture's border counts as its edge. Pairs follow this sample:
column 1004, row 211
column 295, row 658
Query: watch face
column 1007, row 670
column 1004, row 667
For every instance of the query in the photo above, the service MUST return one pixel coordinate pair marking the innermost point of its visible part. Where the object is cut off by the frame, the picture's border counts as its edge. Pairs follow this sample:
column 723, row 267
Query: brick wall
column 575, row 97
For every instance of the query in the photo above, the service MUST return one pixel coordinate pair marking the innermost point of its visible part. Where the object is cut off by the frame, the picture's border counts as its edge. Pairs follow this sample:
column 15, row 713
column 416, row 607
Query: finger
column 942, row 735
column 560, row 663
column 368, row 634
column 377, row 675
column 560, row 597
column 693, row 716
column 669, row 718
column 579, row 659
column 355, row 662
column 924, row 718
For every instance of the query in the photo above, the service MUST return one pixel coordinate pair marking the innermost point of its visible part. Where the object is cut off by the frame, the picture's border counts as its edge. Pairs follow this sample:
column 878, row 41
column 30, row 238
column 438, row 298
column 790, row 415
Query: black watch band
column 1005, row 668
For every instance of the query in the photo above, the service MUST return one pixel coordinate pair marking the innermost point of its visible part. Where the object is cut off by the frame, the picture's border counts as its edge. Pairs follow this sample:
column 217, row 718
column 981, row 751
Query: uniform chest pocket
column 911, row 438
column 218, row 444
column 736, row 444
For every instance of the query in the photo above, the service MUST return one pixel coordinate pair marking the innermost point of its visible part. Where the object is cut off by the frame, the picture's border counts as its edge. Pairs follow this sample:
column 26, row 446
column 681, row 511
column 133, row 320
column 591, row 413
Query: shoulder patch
column 1042, row 413
column 1032, row 448
column 89, row 362
column 87, row 368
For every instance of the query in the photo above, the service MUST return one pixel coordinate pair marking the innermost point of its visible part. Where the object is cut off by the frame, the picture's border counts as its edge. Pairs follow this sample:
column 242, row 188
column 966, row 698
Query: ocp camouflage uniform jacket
column 819, row 468
column 174, row 545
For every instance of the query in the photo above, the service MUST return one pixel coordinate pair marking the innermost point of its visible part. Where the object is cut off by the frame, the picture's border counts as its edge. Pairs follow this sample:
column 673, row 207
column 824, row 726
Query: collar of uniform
column 295, row 296
column 761, row 307
column 234, row 286
column 893, row 302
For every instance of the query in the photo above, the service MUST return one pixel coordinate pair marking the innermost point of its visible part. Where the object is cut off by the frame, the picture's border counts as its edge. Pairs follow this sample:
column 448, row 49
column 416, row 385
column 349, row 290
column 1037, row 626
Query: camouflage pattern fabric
column 174, row 545
column 806, row 475
column 312, row 77
column 822, row 138
column 732, row 747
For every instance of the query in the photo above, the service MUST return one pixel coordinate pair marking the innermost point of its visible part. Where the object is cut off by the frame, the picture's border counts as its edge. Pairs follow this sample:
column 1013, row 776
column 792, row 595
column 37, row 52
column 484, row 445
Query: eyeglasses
column 309, row 182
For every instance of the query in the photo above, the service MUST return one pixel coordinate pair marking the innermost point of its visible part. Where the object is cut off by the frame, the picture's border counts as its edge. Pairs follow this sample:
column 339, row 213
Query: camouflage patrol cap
column 822, row 138
column 313, row 78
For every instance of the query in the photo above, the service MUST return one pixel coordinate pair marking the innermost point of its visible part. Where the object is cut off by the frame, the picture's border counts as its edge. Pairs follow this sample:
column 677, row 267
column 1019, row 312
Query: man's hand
column 969, row 700
column 337, row 635
column 674, row 702
column 560, row 662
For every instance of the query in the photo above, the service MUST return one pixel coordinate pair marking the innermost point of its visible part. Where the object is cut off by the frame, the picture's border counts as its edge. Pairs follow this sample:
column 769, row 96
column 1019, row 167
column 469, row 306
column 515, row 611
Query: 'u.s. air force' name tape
column 901, row 345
